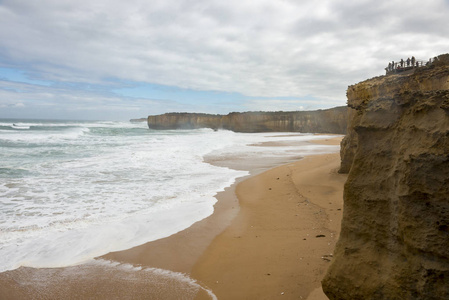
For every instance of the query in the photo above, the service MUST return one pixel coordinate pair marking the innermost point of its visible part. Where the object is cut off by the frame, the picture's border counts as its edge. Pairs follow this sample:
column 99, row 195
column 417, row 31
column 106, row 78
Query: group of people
column 402, row 64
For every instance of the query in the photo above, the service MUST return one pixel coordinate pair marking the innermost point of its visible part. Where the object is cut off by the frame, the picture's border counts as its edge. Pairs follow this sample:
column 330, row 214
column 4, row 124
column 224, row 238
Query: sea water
column 71, row 190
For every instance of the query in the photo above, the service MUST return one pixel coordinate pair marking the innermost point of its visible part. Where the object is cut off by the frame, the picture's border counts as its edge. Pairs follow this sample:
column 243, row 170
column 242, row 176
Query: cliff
column 320, row 121
column 394, row 241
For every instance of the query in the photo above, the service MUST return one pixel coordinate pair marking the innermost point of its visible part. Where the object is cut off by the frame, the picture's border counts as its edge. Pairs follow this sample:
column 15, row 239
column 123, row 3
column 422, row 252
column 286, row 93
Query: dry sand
column 275, row 240
column 281, row 242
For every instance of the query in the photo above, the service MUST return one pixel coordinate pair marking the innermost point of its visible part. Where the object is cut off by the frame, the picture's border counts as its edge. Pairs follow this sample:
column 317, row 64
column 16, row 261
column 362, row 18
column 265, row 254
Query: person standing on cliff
column 402, row 62
column 413, row 61
column 408, row 62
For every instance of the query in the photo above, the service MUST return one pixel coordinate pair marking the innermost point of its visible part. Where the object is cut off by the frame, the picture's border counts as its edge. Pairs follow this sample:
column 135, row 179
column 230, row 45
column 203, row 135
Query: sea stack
column 394, row 242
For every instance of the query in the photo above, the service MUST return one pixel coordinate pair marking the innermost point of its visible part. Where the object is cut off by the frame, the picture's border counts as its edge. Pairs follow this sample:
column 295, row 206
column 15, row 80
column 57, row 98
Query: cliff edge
column 332, row 120
column 394, row 241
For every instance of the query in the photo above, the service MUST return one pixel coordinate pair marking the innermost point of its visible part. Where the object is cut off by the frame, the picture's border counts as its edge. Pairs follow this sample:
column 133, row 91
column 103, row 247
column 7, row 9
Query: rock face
column 332, row 120
column 394, row 242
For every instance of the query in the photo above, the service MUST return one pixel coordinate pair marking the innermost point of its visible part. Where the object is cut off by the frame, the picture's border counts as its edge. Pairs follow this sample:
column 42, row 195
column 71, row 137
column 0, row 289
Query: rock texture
column 332, row 120
column 394, row 242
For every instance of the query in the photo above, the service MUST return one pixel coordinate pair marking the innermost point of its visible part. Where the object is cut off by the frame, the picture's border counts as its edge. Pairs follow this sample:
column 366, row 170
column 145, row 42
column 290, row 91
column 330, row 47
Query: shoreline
column 184, row 251
column 180, row 251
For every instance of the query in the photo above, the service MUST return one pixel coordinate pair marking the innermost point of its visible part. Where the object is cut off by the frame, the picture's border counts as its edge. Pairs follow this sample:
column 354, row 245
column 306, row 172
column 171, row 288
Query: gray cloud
column 256, row 48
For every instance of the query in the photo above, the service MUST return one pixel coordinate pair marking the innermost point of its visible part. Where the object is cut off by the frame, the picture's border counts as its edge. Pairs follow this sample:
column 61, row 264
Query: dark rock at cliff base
column 394, row 241
column 332, row 120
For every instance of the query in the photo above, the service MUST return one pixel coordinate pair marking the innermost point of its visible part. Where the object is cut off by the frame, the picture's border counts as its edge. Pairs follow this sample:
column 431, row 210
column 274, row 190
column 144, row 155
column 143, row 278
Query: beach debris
column 282, row 293
column 320, row 235
column 327, row 257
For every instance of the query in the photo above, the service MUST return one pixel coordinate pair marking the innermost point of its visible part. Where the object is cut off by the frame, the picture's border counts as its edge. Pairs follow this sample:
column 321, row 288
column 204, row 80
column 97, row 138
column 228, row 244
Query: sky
column 117, row 60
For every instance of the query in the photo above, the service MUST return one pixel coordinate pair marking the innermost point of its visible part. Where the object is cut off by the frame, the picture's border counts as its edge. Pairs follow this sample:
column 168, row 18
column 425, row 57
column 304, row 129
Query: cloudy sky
column 119, row 59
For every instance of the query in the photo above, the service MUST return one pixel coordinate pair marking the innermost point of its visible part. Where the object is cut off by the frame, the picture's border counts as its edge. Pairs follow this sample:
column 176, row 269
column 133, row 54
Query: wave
column 112, row 279
column 158, row 275
column 34, row 134
column 13, row 127
column 20, row 127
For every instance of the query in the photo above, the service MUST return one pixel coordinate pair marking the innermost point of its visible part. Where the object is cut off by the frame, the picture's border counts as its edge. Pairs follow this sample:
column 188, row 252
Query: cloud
column 263, row 48
column 274, row 105
column 67, row 101
column 258, row 104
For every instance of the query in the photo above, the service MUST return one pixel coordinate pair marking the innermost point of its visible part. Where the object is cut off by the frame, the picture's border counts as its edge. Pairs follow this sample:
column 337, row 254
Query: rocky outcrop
column 138, row 120
column 394, row 241
column 320, row 121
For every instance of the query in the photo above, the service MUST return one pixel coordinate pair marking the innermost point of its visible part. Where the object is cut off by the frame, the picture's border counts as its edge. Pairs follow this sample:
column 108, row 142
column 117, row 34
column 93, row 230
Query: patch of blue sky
column 161, row 92
column 17, row 75
column 156, row 91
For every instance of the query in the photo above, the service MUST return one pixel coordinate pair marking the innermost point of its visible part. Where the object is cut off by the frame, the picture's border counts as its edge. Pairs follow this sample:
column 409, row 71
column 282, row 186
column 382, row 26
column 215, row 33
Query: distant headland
column 332, row 120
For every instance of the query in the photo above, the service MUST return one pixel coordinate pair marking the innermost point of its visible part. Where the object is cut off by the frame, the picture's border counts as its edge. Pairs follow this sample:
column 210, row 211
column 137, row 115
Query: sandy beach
column 281, row 242
column 271, row 235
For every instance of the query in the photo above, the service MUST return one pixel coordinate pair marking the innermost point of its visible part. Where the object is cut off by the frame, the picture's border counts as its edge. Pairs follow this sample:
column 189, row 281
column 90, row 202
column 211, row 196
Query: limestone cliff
column 321, row 121
column 394, row 242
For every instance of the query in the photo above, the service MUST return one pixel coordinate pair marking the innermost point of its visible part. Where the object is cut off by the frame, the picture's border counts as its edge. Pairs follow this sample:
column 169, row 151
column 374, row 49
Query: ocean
column 74, row 190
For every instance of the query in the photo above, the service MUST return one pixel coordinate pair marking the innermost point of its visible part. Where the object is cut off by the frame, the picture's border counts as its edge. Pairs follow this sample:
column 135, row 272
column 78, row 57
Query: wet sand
column 276, row 239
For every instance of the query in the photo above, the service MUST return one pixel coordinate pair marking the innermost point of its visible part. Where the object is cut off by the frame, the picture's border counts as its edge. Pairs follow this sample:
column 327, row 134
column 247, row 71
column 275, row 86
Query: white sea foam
column 161, row 274
column 124, row 281
column 73, row 191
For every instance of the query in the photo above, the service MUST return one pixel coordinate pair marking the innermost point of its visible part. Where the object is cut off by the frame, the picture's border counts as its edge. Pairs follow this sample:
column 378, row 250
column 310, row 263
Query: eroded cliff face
column 394, row 242
column 332, row 120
